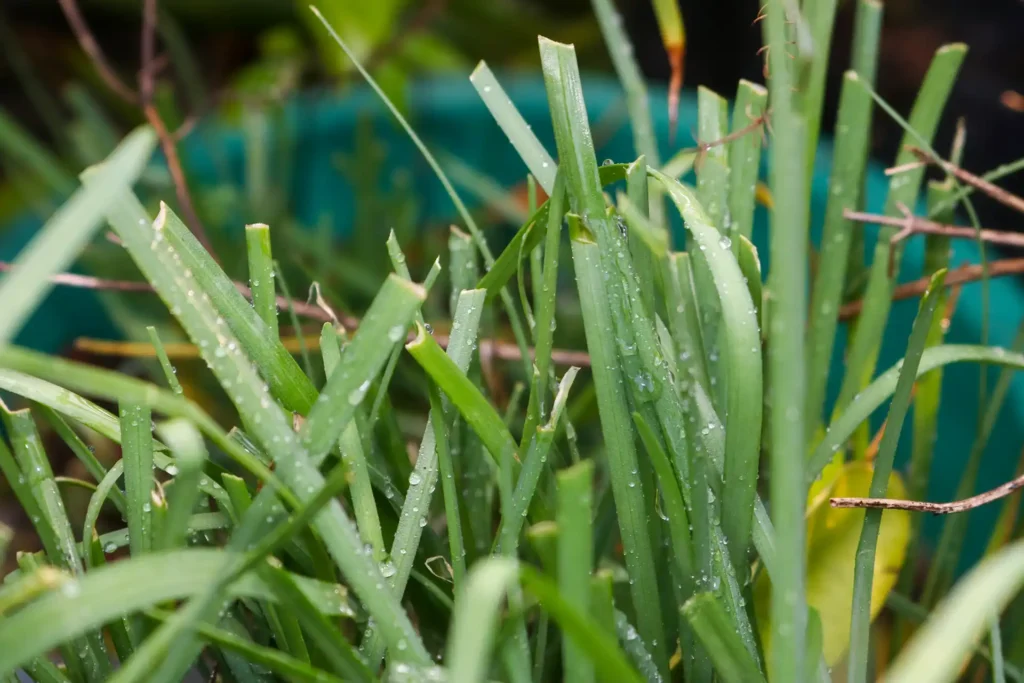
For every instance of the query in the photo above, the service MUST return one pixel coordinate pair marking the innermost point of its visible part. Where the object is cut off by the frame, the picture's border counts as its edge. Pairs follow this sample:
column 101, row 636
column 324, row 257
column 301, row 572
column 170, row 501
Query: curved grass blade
column 938, row 649
column 67, row 232
column 741, row 362
column 103, row 490
column 864, row 573
column 170, row 372
column 124, row 587
column 882, row 388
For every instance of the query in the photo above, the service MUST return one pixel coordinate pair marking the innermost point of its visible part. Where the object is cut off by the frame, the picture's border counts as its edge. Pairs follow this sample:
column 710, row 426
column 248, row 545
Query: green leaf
column 190, row 458
column 261, row 274
column 67, row 232
column 864, row 572
column 744, row 159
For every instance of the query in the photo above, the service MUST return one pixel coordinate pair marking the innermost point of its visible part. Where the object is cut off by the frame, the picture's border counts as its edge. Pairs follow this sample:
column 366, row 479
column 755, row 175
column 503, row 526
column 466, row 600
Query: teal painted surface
column 449, row 116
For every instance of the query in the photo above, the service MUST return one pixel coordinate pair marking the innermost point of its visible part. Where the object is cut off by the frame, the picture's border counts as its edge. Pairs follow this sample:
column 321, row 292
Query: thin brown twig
column 168, row 141
column 1011, row 200
column 963, row 275
column 911, row 225
column 92, row 49
column 934, row 508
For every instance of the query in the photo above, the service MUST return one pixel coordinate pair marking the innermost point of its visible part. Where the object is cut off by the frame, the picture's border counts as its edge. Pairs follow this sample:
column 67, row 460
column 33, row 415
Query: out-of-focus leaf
column 832, row 536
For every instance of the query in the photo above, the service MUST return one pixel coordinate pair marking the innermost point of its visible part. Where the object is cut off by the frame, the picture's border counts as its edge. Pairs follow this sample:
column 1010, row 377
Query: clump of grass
column 303, row 545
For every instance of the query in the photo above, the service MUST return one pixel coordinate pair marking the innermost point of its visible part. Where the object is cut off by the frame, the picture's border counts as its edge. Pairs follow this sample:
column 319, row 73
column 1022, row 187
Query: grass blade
column 261, row 274
column 575, row 145
column 575, row 550
column 903, row 189
column 512, row 123
column 137, row 453
column 845, row 185
column 463, row 394
column 709, row 620
column 481, row 242
column 786, row 355
column 423, row 479
column 67, row 232
column 190, row 458
column 165, row 363
column 741, row 364
column 744, row 159
column 820, row 17
column 626, row 68
column 875, row 394
column 860, row 623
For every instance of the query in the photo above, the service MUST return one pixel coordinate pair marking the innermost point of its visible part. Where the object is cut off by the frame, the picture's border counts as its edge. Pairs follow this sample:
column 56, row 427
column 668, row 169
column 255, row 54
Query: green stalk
column 845, row 183
column 137, row 453
column 745, row 160
column 170, row 373
column 864, row 572
column 786, row 355
column 575, row 552
column 261, row 274
column 820, row 16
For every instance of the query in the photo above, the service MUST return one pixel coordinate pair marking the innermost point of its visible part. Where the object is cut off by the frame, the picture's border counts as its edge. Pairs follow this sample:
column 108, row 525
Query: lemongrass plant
column 301, row 544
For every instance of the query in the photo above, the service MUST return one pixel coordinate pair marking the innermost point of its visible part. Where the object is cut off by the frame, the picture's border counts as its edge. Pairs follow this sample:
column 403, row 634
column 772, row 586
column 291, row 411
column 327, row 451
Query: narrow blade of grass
column 423, row 479
column 84, row 454
column 903, row 189
column 463, row 394
column 190, row 458
column 876, row 393
column 170, row 372
column 575, row 552
column 511, row 311
column 394, row 306
column 261, row 274
column 512, row 123
column 620, row 49
column 744, row 160
column 786, row 355
column 137, row 453
column 709, row 620
column 860, row 622
column 845, row 185
column 643, row 257
column 820, row 17
column 741, row 365
column 67, row 232
column 575, row 144
column 286, row 379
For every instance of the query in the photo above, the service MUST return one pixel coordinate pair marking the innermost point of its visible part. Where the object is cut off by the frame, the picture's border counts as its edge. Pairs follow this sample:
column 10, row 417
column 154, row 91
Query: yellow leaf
column 832, row 537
